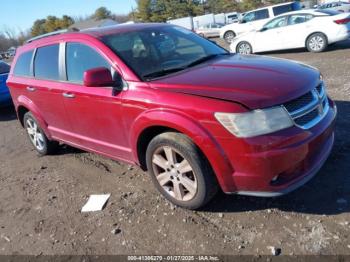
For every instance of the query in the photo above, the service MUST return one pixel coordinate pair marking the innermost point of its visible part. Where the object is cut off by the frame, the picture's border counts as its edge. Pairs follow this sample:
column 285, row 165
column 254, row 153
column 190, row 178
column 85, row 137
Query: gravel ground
column 41, row 198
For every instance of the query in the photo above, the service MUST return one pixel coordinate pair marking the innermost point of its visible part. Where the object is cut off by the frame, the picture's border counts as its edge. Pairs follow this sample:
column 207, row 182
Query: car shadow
column 7, row 113
column 331, row 48
column 327, row 193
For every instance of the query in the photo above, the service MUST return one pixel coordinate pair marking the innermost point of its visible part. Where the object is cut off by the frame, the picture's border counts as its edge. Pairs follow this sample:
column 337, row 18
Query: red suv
column 192, row 114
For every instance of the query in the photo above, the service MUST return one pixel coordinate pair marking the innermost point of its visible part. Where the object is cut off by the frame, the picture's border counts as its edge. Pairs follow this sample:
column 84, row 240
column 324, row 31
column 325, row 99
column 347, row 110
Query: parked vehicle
column 339, row 6
column 183, row 108
column 313, row 29
column 255, row 19
column 209, row 30
column 5, row 97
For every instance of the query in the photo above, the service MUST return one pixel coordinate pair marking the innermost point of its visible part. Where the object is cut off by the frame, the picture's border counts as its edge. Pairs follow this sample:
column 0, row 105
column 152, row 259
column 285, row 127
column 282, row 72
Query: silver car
column 209, row 30
column 336, row 6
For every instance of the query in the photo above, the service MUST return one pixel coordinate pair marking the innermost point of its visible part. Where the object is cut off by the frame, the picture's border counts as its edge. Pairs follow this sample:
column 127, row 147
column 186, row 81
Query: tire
column 229, row 36
column 186, row 181
column 316, row 43
column 37, row 136
column 244, row 48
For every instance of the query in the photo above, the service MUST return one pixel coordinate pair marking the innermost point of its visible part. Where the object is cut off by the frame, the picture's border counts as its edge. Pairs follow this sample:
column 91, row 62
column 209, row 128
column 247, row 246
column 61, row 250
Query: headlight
column 256, row 122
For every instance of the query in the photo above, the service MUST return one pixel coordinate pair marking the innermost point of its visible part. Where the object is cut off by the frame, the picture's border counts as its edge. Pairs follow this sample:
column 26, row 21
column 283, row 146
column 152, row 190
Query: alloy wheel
column 316, row 43
column 174, row 173
column 244, row 49
column 35, row 135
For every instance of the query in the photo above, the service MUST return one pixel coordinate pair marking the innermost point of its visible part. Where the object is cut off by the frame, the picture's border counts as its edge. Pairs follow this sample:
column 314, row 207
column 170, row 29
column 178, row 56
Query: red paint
column 97, row 121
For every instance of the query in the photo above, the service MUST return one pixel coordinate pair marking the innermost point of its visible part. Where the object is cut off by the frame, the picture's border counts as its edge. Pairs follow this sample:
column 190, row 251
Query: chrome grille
column 309, row 109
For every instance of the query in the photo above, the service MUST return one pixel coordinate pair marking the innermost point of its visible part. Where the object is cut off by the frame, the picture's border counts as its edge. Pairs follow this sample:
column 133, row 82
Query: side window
column 261, row 14
column 277, row 22
column 282, row 9
column 22, row 67
column 79, row 58
column 46, row 62
column 249, row 17
column 298, row 19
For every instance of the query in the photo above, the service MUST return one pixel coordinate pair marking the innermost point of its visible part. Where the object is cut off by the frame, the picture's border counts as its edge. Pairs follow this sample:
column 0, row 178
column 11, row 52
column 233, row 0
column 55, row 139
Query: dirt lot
column 41, row 198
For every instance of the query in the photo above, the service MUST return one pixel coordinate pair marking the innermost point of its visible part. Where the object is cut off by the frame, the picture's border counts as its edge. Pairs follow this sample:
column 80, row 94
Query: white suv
column 256, row 19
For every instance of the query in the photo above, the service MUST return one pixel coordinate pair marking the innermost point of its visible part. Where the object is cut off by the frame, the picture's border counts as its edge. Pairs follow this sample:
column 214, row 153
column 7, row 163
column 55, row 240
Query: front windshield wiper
column 164, row 72
column 204, row 59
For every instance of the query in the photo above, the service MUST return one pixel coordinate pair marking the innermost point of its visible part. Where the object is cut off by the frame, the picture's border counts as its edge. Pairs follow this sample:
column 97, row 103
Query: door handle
column 68, row 95
column 31, row 89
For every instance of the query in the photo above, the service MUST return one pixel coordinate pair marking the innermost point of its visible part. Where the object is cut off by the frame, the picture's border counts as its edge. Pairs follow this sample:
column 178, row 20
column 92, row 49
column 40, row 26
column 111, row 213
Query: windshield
column 157, row 51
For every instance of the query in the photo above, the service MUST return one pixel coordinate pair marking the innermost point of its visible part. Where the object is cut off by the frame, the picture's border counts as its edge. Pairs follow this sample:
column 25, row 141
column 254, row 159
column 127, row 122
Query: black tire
column 249, row 49
column 202, row 172
column 229, row 36
column 316, row 43
column 46, row 146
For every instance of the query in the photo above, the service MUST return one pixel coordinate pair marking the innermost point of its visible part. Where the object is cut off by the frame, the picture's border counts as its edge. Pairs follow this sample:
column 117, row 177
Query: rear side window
column 261, row 14
column 4, row 68
column 23, row 64
column 46, row 62
column 79, row 58
column 286, row 8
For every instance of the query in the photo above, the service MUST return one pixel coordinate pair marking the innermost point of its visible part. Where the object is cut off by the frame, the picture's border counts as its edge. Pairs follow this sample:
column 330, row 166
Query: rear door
column 46, row 90
column 298, row 28
column 96, row 114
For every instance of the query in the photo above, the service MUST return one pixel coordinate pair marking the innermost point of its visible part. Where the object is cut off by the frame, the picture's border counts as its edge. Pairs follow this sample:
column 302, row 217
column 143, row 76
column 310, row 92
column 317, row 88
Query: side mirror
column 263, row 29
column 100, row 77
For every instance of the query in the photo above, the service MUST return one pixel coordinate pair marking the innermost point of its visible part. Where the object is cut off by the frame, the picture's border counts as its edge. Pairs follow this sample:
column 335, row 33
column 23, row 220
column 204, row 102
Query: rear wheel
column 37, row 136
column 229, row 36
column 180, row 171
column 316, row 43
column 244, row 48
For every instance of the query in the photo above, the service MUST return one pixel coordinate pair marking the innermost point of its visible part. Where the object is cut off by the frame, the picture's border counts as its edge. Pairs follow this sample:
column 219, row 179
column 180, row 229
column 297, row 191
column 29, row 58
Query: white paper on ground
column 95, row 203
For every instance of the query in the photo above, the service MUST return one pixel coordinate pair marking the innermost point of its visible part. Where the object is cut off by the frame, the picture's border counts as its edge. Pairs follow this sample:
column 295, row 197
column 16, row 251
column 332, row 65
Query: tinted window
column 46, row 62
column 22, row 67
column 4, row 68
column 256, row 15
column 286, row 8
column 79, row 58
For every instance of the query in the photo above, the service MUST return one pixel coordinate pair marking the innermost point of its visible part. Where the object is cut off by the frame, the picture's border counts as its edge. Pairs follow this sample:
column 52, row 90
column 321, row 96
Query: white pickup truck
column 255, row 19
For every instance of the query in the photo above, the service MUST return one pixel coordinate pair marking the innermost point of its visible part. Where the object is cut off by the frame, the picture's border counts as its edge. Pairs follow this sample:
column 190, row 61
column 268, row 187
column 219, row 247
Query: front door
column 96, row 114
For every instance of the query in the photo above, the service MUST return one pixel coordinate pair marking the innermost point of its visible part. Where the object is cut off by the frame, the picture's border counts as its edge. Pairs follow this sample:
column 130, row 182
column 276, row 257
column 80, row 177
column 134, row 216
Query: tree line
column 145, row 11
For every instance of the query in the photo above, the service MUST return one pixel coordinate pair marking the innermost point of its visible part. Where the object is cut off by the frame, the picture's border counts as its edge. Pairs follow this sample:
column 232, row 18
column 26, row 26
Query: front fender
column 188, row 126
column 29, row 105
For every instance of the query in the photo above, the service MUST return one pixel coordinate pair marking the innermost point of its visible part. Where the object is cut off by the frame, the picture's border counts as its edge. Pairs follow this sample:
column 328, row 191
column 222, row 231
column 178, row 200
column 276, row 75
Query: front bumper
column 279, row 163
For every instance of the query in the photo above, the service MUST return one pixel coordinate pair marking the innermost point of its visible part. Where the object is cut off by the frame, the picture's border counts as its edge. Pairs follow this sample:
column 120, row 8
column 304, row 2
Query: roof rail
column 52, row 34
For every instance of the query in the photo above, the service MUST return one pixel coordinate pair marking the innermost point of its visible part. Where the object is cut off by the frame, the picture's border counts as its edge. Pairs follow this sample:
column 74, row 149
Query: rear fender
column 29, row 105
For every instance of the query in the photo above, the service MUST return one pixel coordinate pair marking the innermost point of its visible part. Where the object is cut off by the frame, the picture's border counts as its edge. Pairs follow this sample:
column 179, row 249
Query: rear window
column 46, row 62
column 286, row 8
column 4, row 68
column 22, row 67
column 328, row 12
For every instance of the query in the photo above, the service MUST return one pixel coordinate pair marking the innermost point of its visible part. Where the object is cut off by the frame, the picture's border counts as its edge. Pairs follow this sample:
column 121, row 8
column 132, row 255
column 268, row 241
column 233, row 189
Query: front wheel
column 37, row 136
column 229, row 36
column 180, row 171
column 244, row 48
column 316, row 43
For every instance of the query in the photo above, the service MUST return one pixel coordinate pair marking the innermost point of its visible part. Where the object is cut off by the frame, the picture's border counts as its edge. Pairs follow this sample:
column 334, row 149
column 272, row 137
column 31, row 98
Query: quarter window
column 23, row 64
column 80, row 58
column 46, row 62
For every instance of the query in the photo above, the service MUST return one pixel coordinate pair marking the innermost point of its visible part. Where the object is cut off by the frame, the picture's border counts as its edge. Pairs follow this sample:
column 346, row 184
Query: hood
column 254, row 81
